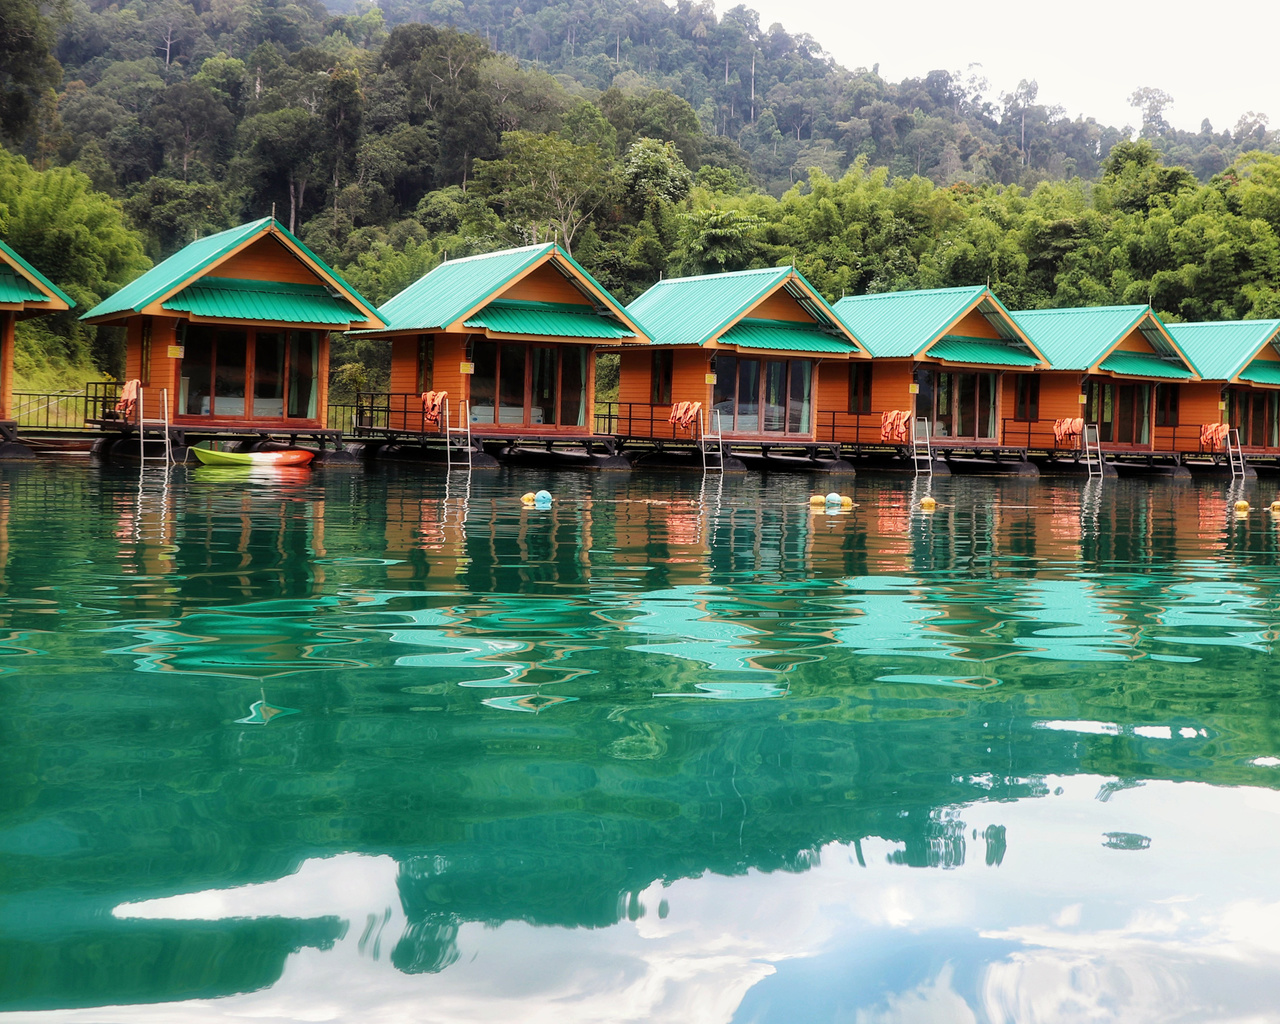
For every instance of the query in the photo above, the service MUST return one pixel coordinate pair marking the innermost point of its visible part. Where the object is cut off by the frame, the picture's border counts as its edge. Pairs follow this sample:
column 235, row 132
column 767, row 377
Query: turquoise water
column 346, row 745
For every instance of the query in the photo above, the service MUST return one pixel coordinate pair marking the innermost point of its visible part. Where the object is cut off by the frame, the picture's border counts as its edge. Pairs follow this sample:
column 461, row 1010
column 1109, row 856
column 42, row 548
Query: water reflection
column 691, row 752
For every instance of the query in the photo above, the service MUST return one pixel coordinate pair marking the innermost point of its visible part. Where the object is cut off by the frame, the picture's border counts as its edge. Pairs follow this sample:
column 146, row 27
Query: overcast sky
column 1088, row 56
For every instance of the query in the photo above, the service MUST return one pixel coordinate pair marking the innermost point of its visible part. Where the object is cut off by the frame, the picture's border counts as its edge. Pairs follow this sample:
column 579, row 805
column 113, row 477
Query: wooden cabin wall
column 891, row 381
column 161, row 371
column 545, row 284
column 1059, row 396
column 451, row 352
column 8, row 336
column 1198, row 403
column 689, row 369
column 404, row 366
column 974, row 325
column 635, row 376
column 1267, row 355
column 1135, row 341
column 266, row 260
column 831, row 390
column 780, row 306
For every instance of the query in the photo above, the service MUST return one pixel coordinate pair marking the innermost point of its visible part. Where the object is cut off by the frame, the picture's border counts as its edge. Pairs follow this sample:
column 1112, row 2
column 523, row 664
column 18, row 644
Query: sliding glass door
column 1122, row 411
column 763, row 396
column 1254, row 414
column 249, row 374
column 525, row 384
column 958, row 404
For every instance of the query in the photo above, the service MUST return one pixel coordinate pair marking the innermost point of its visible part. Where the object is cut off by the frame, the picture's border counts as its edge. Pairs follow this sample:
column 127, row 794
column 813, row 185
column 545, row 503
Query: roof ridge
column 916, row 291
column 539, row 247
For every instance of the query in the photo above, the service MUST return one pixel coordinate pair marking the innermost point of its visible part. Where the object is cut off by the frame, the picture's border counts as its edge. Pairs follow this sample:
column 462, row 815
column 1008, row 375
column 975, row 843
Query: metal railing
column 850, row 428
column 54, row 410
column 642, row 420
column 379, row 411
column 1039, row 436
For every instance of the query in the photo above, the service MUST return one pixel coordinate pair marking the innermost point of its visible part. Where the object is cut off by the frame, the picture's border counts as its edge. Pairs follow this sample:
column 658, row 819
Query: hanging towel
column 678, row 412
column 128, row 403
column 433, row 405
column 690, row 416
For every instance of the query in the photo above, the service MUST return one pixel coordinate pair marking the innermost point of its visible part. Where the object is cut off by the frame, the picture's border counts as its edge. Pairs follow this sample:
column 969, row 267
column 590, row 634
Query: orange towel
column 690, row 416
column 433, row 405
column 128, row 402
column 895, row 426
column 678, row 411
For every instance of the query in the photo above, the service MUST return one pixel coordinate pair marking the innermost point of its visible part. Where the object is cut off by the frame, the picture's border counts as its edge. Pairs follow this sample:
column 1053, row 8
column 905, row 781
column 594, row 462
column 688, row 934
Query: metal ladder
column 457, row 440
column 920, row 447
column 706, row 439
column 1235, row 454
column 1092, row 449
column 162, row 423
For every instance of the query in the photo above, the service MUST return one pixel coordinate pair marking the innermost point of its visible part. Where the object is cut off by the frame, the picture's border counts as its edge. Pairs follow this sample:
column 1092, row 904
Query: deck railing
column 1038, row 435
column 850, row 427
column 377, row 411
column 642, row 420
column 52, row 410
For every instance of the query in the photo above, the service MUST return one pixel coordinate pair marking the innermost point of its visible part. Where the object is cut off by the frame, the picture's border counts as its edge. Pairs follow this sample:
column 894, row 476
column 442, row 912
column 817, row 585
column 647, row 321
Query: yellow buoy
column 846, row 501
column 528, row 497
column 817, row 499
column 1275, row 507
column 928, row 504
column 1242, row 506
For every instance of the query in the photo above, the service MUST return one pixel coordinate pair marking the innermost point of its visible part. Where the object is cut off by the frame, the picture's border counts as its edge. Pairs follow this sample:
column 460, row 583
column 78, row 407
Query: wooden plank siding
column 545, row 284
column 974, row 325
column 265, row 260
column 780, row 306
column 891, row 381
column 8, row 337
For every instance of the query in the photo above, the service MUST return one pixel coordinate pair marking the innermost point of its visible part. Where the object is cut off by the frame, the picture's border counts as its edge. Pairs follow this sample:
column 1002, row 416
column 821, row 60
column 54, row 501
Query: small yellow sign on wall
column 711, row 378
column 466, row 367
column 177, row 351
column 1082, row 399
column 913, row 389
column 1222, row 406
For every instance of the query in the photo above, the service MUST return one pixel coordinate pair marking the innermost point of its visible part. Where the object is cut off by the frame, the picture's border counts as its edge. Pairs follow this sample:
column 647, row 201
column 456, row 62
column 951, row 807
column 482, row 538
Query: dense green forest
column 648, row 139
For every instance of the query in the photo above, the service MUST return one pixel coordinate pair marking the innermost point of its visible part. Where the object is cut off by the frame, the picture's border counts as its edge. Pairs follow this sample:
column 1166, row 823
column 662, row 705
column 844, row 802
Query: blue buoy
column 542, row 499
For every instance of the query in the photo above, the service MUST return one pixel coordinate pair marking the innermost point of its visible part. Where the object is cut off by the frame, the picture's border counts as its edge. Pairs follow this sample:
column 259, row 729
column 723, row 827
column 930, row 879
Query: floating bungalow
column 500, row 345
column 1238, row 362
column 24, row 293
column 236, row 328
column 735, row 356
column 1116, row 366
column 952, row 356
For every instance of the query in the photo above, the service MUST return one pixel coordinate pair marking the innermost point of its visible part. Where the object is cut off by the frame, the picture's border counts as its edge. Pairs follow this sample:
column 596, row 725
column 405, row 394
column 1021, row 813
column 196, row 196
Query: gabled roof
column 915, row 323
column 20, row 282
column 1222, row 350
column 705, row 309
column 547, row 320
column 462, row 292
column 228, row 298
column 1083, row 338
column 188, row 265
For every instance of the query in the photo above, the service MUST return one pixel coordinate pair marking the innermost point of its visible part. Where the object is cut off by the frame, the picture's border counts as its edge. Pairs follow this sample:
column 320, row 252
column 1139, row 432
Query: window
column 860, row 387
column 763, row 396
column 962, row 404
column 1166, row 405
column 660, row 380
column 1026, row 402
column 244, row 373
column 535, row 385
column 426, row 362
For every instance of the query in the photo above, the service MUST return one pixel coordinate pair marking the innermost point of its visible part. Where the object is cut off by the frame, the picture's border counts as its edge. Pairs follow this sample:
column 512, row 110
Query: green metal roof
column 192, row 260
column 456, row 287
column 32, row 278
column 1261, row 371
column 1221, row 350
column 1142, row 364
column 784, row 336
column 234, row 299
column 904, row 323
column 697, row 310
column 982, row 351
column 16, row 288
column 1075, row 339
column 549, row 320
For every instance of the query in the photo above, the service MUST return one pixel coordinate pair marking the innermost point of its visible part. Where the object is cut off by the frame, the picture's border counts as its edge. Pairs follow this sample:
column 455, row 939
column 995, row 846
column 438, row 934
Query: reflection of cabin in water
column 1116, row 366
column 509, row 336
column 24, row 292
column 236, row 327
column 953, row 356
column 743, row 347
column 1239, row 365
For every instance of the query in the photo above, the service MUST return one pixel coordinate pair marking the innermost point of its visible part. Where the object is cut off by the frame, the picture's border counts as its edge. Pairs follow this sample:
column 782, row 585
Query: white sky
column 1087, row 55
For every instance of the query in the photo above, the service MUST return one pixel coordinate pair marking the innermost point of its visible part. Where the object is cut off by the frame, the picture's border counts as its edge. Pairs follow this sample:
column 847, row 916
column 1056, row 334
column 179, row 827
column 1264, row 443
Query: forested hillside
column 648, row 139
